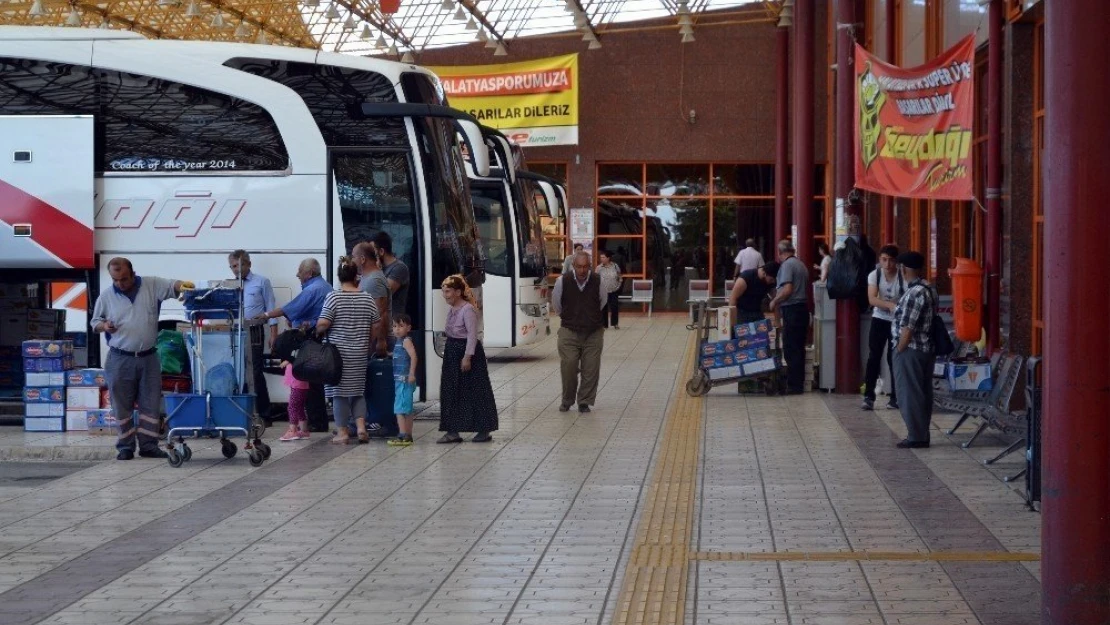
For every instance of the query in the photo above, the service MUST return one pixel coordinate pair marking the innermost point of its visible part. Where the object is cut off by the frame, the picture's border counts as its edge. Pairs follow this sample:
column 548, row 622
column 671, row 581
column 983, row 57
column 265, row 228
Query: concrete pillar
column 1075, row 535
column 847, row 310
column 782, row 135
column 804, row 17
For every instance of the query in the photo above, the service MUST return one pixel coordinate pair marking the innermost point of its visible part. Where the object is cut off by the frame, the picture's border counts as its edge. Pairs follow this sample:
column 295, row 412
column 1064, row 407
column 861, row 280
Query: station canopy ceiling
column 361, row 27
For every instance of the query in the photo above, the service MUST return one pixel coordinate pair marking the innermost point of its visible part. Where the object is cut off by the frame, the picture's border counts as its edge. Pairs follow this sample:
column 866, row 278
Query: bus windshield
column 533, row 261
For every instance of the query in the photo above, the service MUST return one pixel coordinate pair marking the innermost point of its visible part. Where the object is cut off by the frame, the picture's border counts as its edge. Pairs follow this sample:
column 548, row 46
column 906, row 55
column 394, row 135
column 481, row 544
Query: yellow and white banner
column 534, row 103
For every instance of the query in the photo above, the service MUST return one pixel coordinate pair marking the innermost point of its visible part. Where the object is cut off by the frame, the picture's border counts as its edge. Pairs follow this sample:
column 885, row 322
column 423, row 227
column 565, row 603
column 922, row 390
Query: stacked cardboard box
column 44, row 395
column 747, row 354
column 87, row 402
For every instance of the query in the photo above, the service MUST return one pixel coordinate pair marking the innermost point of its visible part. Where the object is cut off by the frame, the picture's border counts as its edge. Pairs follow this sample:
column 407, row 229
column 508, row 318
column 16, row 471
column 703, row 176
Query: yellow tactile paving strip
column 872, row 556
column 654, row 588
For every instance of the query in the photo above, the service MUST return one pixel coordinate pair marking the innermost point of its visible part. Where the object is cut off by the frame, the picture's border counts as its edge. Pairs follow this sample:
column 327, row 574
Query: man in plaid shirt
column 913, row 351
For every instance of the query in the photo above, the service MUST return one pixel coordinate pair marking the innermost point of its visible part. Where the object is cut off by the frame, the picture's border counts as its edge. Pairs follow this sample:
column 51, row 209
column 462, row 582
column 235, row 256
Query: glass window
column 620, row 180
column 677, row 180
column 744, row 179
column 147, row 124
column 619, row 217
column 334, row 96
column 375, row 193
column 628, row 253
column 913, row 33
column 492, row 217
column 555, row 171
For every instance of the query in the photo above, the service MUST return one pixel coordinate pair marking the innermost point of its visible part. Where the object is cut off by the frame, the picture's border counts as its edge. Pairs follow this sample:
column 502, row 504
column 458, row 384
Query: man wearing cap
column 127, row 315
column 791, row 301
column 913, row 351
column 749, row 290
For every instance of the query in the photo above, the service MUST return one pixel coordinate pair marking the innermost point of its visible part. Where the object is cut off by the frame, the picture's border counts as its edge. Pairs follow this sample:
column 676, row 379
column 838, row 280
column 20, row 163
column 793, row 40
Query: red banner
column 914, row 126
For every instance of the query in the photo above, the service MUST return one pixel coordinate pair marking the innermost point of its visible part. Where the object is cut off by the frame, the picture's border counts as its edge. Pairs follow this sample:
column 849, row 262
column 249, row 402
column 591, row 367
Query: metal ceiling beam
column 581, row 9
column 477, row 13
column 381, row 24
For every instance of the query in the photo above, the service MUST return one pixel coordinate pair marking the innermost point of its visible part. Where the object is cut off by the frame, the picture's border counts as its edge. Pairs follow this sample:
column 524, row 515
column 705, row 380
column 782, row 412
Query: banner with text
column 534, row 103
column 914, row 126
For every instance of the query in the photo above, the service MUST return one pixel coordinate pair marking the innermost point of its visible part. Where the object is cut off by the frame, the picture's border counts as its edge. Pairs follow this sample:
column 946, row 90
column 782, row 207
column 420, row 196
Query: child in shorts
column 404, row 379
column 298, row 421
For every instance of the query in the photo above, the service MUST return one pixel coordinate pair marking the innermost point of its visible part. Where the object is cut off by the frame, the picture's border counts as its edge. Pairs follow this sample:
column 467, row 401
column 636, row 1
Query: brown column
column 1075, row 532
column 782, row 134
column 803, row 130
column 889, row 235
column 848, row 210
column 993, row 269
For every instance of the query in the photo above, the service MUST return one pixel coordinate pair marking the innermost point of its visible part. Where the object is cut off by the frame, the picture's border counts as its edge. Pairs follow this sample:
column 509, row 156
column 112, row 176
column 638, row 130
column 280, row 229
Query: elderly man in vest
column 579, row 300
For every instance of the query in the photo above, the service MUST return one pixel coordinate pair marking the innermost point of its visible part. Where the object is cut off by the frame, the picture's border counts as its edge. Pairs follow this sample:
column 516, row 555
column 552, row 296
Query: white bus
column 515, row 308
column 194, row 149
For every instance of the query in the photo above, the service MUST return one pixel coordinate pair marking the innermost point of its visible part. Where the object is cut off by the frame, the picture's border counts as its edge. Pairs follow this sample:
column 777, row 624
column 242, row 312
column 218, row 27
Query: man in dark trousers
column 911, row 334
column 578, row 300
column 127, row 315
column 884, row 288
column 749, row 290
column 793, row 305
column 258, row 297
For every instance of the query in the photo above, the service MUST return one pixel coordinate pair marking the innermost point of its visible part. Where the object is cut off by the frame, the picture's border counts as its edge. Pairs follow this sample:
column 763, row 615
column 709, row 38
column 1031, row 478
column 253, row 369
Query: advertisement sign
column 534, row 103
column 581, row 227
column 914, row 126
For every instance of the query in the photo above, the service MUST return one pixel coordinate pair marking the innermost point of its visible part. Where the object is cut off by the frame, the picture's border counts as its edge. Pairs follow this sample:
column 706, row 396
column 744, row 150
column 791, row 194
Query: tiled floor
column 793, row 497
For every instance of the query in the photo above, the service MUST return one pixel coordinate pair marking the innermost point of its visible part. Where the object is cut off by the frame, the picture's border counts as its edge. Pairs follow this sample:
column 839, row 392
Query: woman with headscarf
column 466, row 395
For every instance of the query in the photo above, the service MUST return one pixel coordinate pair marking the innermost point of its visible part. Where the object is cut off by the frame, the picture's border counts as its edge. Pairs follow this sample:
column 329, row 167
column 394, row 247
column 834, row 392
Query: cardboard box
column 43, row 365
column 57, row 409
column 13, row 329
column 80, row 357
column 43, row 394
column 54, row 378
column 969, row 377
column 725, row 315
column 47, row 348
column 104, row 421
column 47, row 330
column 19, row 290
column 76, row 421
column 80, row 339
column 723, row 373
column 87, row 377
column 86, row 397
column 44, row 424
column 758, row 366
column 763, row 326
column 56, row 316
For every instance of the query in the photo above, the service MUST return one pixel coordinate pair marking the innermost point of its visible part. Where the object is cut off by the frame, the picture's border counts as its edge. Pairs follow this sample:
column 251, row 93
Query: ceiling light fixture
column 218, row 20
column 482, row 36
column 105, row 24
column 261, row 40
column 312, row 4
column 688, row 37
column 460, row 15
column 686, row 30
column 349, row 24
column 491, row 44
column 168, row 3
column 500, row 51
column 393, row 49
column 471, row 24
column 242, row 30
column 366, row 35
column 447, row 5
column 589, row 36
column 684, row 20
column 192, row 11
column 332, row 13
column 407, row 58
column 37, row 9
column 594, row 45
column 380, row 43
column 74, row 18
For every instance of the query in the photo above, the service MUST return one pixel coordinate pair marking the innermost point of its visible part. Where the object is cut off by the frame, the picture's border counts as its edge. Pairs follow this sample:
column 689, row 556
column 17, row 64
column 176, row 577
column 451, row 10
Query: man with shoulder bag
column 914, row 346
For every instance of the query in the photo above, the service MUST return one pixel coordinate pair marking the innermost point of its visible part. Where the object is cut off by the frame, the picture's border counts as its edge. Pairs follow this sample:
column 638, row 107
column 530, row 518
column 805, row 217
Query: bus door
column 372, row 190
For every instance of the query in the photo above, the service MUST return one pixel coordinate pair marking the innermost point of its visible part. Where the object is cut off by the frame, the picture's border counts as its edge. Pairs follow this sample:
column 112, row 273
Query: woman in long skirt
column 466, row 395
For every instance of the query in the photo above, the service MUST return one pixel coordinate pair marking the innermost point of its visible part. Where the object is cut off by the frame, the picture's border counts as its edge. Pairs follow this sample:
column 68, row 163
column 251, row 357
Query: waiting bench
column 643, row 292
column 980, row 404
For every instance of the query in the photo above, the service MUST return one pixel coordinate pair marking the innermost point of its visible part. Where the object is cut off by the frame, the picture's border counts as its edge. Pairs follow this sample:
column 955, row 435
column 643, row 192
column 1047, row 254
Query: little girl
column 404, row 379
column 298, row 421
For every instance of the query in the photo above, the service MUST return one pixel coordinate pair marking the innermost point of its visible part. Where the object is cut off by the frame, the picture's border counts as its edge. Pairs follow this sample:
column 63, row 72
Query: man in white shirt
column 885, row 287
column 748, row 258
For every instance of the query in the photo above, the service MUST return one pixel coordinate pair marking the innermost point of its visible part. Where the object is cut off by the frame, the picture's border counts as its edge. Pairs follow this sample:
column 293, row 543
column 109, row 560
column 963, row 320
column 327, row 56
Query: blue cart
column 216, row 407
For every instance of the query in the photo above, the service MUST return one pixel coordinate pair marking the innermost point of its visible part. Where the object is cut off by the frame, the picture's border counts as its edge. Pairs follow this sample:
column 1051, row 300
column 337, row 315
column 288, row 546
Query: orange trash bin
column 967, row 299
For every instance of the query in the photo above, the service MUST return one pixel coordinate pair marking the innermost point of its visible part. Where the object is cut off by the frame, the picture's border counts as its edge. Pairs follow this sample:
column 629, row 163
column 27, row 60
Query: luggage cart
column 216, row 412
column 768, row 373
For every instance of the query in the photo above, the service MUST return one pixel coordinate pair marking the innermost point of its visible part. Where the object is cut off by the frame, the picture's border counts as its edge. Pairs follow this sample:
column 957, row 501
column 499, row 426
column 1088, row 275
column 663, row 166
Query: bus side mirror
column 475, row 145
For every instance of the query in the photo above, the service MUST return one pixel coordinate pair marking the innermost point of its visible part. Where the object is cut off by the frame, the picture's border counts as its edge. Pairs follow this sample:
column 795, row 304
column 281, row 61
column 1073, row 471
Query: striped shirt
column 352, row 314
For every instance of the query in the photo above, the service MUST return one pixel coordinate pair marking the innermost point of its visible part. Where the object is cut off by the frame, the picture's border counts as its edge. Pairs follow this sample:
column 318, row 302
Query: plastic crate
column 212, row 299
column 187, row 411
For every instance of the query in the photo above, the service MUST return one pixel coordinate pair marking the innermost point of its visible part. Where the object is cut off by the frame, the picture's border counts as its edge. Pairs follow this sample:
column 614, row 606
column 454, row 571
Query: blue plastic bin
column 187, row 411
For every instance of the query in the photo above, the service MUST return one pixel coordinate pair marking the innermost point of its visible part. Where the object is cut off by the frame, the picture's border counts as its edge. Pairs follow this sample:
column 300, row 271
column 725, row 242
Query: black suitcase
column 379, row 396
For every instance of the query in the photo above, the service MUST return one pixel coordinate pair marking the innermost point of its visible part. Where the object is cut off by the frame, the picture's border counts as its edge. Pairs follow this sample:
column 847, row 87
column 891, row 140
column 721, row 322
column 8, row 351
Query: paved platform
column 655, row 508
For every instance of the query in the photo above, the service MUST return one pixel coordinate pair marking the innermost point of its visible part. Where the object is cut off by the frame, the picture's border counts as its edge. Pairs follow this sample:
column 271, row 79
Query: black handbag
column 942, row 341
column 318, row 363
